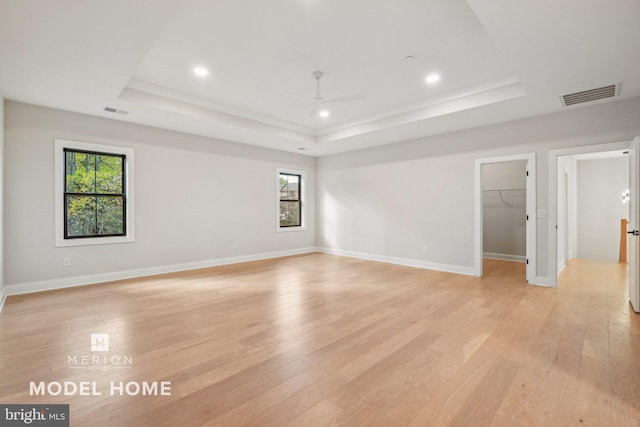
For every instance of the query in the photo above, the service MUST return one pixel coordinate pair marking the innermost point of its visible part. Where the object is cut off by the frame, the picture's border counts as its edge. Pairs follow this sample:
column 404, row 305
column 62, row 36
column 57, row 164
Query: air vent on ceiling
column 590, row 95
column 115, row 110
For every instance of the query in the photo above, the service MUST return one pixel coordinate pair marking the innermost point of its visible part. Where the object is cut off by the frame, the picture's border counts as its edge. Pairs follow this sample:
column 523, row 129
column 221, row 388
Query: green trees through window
column 94, row 194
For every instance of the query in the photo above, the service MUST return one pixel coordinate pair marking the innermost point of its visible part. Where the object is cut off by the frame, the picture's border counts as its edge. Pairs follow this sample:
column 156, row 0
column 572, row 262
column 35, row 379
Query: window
column 291, row 212
column 290, row 205
column 93, row 194
column 94, row 198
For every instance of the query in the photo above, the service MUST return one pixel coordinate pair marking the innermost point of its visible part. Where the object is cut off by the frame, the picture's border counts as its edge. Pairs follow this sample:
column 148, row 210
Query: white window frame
column 303, row 199
column 60, row 145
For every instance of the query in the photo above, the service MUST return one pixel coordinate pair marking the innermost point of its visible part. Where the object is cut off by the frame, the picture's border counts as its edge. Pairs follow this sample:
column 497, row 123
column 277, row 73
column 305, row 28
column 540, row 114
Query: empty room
column 319, row 213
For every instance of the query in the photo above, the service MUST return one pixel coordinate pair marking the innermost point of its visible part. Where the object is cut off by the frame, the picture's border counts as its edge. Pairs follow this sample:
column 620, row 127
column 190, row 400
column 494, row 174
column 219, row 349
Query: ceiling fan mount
column 318, row 75
column 318, row 102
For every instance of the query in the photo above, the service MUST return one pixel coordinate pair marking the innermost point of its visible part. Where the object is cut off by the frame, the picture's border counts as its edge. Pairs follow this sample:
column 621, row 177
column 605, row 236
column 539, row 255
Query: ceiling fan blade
column 301, row 98
column 319, row 103
column 347, row 97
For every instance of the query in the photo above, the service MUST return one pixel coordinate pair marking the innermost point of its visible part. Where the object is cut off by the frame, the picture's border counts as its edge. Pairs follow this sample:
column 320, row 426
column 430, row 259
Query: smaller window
column 291, row 200
column 290, row 206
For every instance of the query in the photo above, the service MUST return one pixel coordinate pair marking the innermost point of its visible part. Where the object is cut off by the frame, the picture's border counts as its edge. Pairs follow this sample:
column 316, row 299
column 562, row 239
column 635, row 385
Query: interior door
column 634, row 224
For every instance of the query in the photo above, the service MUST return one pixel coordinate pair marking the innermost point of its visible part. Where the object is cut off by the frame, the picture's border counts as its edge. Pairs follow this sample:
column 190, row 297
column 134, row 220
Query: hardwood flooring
column 320, row 340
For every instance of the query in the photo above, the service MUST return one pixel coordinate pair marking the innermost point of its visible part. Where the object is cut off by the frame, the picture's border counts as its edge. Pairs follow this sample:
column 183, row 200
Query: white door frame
column 531, row 210
column 634, row 207
column 552, row 240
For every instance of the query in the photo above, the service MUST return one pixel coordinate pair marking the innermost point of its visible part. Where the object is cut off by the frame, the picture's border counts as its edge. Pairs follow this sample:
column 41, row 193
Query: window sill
column 89, row 241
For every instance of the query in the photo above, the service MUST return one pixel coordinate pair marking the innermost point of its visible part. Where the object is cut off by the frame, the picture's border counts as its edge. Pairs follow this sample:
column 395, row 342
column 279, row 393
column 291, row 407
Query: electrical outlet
column 66, row 262
column 236, row 245
column 425, row 249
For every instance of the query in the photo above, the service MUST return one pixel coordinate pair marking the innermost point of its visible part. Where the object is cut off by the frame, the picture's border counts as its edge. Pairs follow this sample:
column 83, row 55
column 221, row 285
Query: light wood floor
column 322, row 340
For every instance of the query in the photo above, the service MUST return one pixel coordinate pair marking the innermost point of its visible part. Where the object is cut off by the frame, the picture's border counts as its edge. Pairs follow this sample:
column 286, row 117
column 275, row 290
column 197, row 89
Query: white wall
column 504, row 218
column 194, row 199
column 600, row 184
column 2, row 294
column 389, row 202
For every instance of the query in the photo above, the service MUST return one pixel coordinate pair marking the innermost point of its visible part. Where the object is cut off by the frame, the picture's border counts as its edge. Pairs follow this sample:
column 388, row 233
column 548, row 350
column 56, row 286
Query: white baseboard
column 541, row 281
column 469, row 271
column 3, row 297
column 68, row 282
column 561, row 267
column 505, row 257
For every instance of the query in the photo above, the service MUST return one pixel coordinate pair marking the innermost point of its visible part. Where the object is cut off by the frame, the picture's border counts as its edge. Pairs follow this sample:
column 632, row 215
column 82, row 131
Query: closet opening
column 506, row 213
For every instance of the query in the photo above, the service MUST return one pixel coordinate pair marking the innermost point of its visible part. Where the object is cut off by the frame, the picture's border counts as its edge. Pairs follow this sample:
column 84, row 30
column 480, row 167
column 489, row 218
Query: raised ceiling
column 497, row 61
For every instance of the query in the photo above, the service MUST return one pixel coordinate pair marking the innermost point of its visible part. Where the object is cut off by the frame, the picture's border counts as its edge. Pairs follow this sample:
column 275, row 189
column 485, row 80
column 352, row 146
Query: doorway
column 527, row 188
column 563, row 207
column 504, row 210
column 591, row 205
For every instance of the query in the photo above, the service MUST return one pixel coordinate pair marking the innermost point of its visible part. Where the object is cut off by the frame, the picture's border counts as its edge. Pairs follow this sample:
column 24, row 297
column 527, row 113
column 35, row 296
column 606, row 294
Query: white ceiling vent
column 590, row 95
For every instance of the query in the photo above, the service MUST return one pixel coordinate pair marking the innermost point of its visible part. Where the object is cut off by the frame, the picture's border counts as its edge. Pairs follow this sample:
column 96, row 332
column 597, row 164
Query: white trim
column 469, row 271
column 505, row 257
column 531, row 211
column 215, row 110
column 633, row 247
column 68, row 282
column 3, row 298
column 303, row 199
column 59, row 178
column 552, row 239
column 540, row 281
column 561, row 267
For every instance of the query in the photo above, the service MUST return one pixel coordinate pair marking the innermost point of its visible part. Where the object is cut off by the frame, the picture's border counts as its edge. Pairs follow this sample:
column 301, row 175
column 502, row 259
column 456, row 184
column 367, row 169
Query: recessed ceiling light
column 323, row 113
column 432, row 78
column 200, row 71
